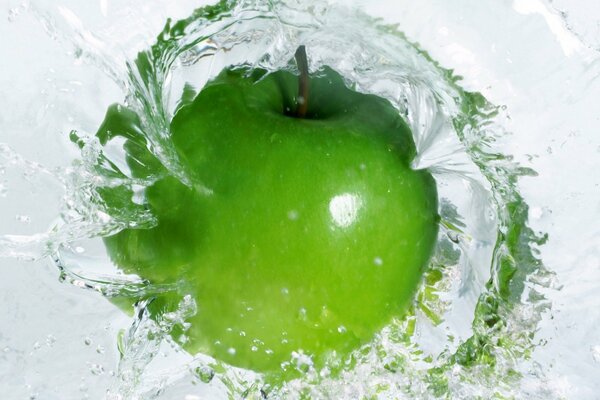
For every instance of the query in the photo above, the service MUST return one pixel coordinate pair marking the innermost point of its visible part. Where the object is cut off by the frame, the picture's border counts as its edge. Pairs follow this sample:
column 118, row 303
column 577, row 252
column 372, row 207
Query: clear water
column 513, row 145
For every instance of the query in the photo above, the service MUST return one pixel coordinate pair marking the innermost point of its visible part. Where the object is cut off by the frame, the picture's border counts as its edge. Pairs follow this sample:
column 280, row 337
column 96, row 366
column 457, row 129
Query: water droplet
column 96, row 369
column 12, row 14
column 378, row 261
column 100, row 349
column 87, row 341
column 231, row 351
column 301, row 361
column 3, row 189
column 596, row 353
column 453, row 236
column 36, row 345
column 302, row 314
column 205, row 373
column 121, row 344
column 23, row 218
column 254, row 348
column 341, row 329
column 50, row 340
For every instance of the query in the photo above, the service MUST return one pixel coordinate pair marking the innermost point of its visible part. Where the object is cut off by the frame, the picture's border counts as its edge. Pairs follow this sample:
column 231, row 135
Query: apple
column 300, row 228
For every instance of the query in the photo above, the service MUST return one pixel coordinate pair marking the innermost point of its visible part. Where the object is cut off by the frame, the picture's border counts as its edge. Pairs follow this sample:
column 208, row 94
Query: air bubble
column 205, row 373
column 97, row 369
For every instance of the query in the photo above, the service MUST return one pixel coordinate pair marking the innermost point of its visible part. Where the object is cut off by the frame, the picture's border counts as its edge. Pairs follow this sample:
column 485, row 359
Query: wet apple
column 301, row 226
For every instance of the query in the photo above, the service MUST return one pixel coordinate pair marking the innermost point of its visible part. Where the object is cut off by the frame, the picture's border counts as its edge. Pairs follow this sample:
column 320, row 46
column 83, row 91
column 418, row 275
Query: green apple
column 301, row 227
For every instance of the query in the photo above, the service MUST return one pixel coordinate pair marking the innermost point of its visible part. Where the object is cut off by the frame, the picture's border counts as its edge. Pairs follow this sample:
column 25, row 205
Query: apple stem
column 302, row 101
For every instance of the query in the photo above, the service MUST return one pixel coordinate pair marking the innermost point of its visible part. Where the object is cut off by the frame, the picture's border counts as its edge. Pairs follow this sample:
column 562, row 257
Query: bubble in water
column 97, row 369
column 205, row 373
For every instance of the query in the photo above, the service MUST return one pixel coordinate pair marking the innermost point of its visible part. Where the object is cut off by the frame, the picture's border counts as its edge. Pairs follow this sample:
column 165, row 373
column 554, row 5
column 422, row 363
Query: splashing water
column 473, row 322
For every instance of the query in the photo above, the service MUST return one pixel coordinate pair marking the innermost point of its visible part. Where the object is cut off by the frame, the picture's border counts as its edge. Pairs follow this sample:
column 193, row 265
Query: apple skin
column 296, row 234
